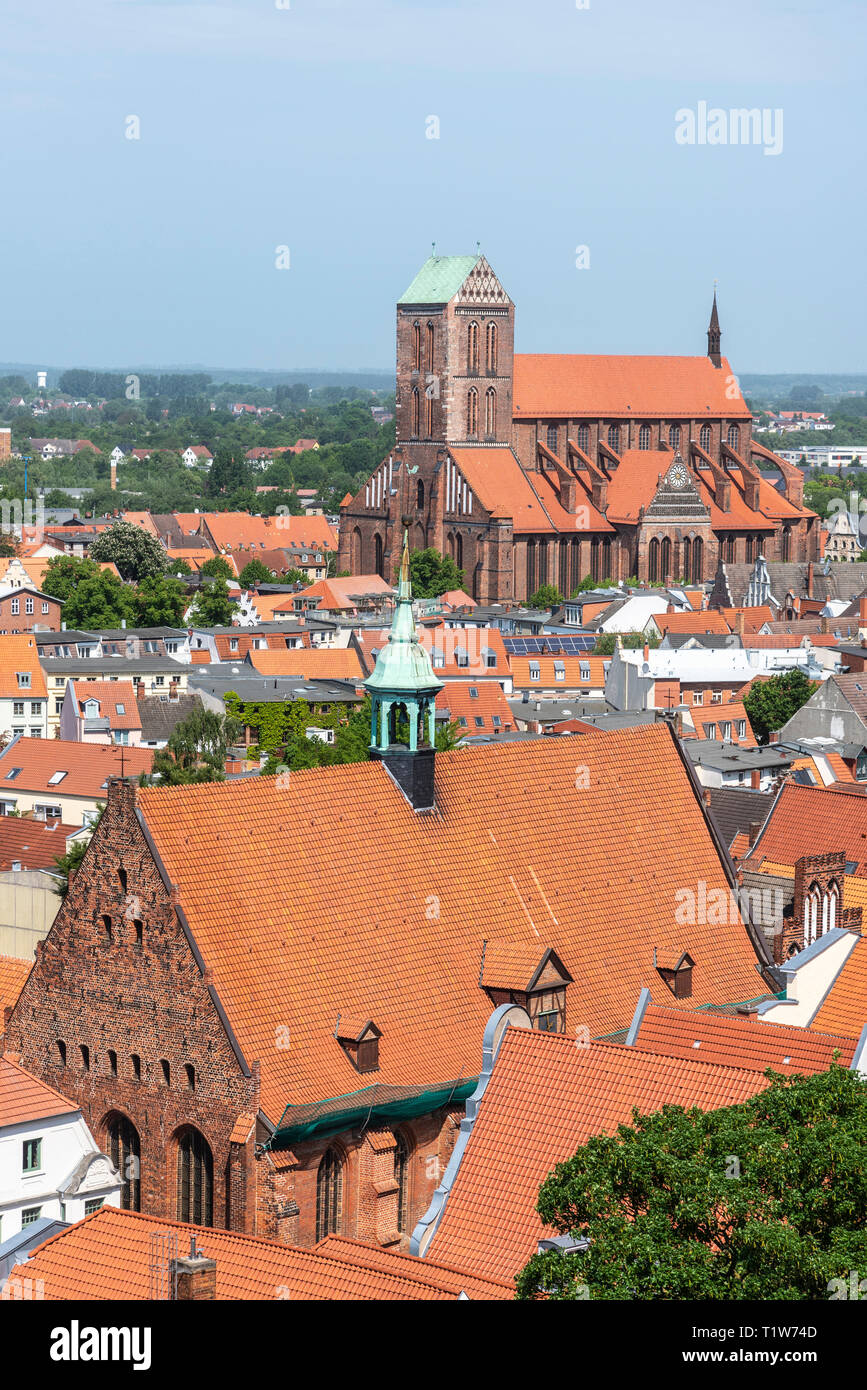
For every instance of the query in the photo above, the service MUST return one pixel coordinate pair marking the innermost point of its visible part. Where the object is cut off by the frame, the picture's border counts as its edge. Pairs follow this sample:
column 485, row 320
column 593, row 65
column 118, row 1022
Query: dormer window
column 359, row 1039
column 676, row 971
column 515, row 973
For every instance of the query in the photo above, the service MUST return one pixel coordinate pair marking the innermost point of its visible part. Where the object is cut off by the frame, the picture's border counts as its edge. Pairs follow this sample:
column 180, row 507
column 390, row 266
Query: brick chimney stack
column 740, row 619
column 113, row 476
column 810, row 579
column 195, row 1276
column 755, row 827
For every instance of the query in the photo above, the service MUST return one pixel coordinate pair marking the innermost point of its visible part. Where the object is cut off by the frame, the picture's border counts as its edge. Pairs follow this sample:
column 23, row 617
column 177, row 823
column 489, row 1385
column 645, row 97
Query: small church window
column 490, row 411
column 416, row 347
column 704, row 437
column 473, row 347
column 614, row 437
column 430, row 346
column 415, row 418
column 472, row 412
column 644, row 437
column 734, row 436
column 674, row 436
column 419, row 494
column 584, row 437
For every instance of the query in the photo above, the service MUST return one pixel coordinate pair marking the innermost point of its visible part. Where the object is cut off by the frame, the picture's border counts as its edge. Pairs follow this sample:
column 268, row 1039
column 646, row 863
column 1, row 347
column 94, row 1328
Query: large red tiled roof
column 813, row 820
column 545, row 1099
column 107, row 1256
column 844, row 1008
column 733, row 1040
column 87, row 765
column 23, row 1097
column 343, row 593
column 13, row 973
column 34, row 844
column 733, row 712
column 504, row 489
column 457, row 653
column 573, row 384
column 239, row 531
column 327, row 894
column 310, row 663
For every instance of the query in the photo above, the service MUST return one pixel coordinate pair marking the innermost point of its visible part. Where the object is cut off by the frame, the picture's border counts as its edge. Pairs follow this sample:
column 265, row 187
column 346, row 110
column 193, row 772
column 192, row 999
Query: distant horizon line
column 7, row 368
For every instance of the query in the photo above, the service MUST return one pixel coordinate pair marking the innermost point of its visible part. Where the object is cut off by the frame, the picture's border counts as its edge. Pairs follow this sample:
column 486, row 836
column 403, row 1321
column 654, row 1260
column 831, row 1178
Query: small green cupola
column 403, row 691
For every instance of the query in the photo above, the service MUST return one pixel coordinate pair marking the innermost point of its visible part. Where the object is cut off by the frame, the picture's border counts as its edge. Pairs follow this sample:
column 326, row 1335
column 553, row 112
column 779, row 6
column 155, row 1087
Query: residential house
column 28, row 880
column 49, row 1163
column 101, row 712
column 51, row 779
column 23, row 689
column 197, row 455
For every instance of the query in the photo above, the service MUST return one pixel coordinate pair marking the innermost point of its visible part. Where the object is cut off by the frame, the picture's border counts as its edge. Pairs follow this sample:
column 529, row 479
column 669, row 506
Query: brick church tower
column 455, row 348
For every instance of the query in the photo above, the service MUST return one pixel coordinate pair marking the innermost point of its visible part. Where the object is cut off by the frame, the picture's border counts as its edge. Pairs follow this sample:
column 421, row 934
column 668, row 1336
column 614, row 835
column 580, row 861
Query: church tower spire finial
column 714, row 333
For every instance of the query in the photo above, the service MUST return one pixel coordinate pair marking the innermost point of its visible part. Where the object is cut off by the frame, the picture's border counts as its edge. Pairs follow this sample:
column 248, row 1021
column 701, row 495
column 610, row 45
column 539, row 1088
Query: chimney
column 862, row 611
column 195, row 1276
column 755, row 780
column 824, row 624
column 810, row 580
column 113, row 475
column 755, row 827
column 740, row 619
column 774, row 736
column 705, row 796
column 646, row 651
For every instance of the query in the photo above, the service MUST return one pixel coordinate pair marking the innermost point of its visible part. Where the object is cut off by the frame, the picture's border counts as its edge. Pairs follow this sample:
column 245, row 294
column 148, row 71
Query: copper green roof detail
column 403, row 666
column 439, row 279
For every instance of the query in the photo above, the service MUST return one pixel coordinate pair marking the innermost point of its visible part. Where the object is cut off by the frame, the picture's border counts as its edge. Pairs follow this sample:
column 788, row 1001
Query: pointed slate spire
column 714, row 334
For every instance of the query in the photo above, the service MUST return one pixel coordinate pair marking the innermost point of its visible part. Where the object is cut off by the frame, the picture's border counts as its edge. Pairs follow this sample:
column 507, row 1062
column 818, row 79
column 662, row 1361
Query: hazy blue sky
column 306, row 127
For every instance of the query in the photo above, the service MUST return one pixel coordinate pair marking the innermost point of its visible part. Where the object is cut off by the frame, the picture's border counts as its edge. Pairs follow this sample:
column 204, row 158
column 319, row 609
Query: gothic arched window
column 472, row 413
column 734, row 437
column 490, row 411
column 472, row 347
column 653, row 561
column 551, row 436
column 429, row 359
column 730, row 549
column 704, row 437
column 614, row 438
column 674, row 436
column 415, row 415
column 786, row 544
column 124, row 1147
column 428, row 413
column 329, row 1194
column 416, row 347
column 584, row 437
column 697, row 560
column 419, row 494
column 491, row 347
column 195, row 1179
column 644, row 437
column 665, row 558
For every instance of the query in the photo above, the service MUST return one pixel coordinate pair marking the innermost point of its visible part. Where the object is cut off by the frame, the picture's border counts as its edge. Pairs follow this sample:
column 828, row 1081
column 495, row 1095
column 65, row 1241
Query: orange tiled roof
column 310, row 663
column 20, row 653
column 24, row 1098
column 730, row 713
column 87, row 765
column 573, row 384
column 239, row 531
column 504, row 489
column 35, row 844
column 733, row 1040
column 13, row 973
column 844, row 1008
column 244, row 637
column 342, row 593
column 106, row 1256
column 598, row 666
column 109, row 695
column 545, row 1099
column 709, row 621
column 813, row 820
column 466, row 709
column 499, row 859
column 457, row 653
column 144, row 520
column 754, row 618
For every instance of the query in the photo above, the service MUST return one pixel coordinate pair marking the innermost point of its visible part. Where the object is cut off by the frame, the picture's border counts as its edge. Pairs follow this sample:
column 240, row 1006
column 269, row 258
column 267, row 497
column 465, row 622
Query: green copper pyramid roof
column 439, row 279
column 403, row 666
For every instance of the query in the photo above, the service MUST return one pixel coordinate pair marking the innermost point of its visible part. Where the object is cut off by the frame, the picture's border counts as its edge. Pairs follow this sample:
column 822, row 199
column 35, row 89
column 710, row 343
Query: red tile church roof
column 572, row 384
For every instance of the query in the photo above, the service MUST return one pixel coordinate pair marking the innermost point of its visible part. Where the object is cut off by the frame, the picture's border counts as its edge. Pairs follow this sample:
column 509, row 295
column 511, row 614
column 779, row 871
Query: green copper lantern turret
column 403, row 683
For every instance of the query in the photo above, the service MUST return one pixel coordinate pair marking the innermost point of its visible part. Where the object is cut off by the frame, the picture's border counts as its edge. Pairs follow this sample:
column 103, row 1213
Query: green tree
column 160, row 602
column 771, row 703
column 69, row 863
column 253, row 573
column 135, row 551
column 668, row 1216
column 179, row 567
column 213, row 607
column 587, row 583
column 433, row 574
column 546, row 596
column 607, row 641
column 196, row 749
column 217, row 568
column 92, row 597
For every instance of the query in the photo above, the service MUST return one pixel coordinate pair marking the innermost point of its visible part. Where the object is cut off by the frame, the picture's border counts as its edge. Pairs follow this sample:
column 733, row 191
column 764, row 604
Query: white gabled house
column 50, row 1165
